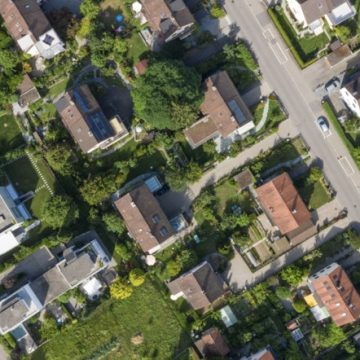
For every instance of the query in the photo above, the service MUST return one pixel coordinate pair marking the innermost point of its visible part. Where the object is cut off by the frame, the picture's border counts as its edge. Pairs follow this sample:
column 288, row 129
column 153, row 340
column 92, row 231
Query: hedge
column 288, row 40
column 339, row 129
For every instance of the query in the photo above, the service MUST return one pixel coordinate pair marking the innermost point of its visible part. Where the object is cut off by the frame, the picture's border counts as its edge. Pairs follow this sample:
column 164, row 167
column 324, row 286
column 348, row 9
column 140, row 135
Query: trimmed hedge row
column 340, row 131
column 289, row 40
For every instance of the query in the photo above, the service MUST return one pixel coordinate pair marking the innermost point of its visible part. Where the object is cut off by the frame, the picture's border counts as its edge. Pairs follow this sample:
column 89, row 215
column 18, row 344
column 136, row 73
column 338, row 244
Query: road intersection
column 283, row 75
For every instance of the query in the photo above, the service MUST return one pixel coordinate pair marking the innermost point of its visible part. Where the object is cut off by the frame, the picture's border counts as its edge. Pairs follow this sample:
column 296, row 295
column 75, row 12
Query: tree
column 239, row 54
column 120, row 289
column 172, row 268
column 283, row 292
column 243, row 220
column 60, row 211
column 59, row 158
column 9, row 60
column 193, row 172
column 113, row 223
column 136, row 277
column 217, row 11
column 165, row 84
column 348, row 346
column 175, row 179
column 293, row 274
column 187, row 259
column 315, row 174
column 343, row 32
column 123, row 252
column 90, row 9
column 327, row 337
column 299, row 305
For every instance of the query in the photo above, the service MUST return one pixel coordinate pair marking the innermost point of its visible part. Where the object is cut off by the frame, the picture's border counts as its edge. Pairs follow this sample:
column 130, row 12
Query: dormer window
column 155, row 219
column 164, row 231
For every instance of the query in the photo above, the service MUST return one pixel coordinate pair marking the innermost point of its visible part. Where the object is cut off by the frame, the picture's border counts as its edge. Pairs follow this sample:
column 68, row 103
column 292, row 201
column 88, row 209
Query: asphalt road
column 284, row 76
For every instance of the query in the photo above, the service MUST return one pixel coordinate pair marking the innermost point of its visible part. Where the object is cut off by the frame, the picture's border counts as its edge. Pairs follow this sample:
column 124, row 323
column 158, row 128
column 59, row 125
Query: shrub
column 136, row 277
column 10, row 340
column 299, row 305
column 283, row 292
column 217, row 12
column 120, row 289
column 172, row 268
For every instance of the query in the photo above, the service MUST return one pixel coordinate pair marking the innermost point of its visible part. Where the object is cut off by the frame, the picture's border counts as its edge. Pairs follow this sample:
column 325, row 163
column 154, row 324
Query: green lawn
column 10, row 134
column 136, row 47
column 25, row 178
column 146, row 312
column 58, row 88
column 304, row 49
column 275, row 115
column 315, row 195
column 228, row 193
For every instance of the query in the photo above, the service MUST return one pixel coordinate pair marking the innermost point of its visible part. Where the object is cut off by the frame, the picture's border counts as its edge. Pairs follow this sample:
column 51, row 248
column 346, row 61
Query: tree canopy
column 60, row 211
column 168, row 95
column 120, row 289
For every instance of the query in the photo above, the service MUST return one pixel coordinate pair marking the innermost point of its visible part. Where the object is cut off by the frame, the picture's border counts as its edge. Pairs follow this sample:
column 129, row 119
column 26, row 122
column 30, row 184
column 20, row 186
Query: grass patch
column 146, row 312
column 58, row 88
column 10, row 134
column 305, row 50
column 275, row 114
column 136, row 47
column 314, row 195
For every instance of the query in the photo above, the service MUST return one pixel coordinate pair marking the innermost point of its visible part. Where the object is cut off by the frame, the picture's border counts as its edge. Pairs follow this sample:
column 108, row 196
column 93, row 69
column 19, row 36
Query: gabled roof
column 22, row 17
column 27, row 91
column 283, row 204
column 223, row 109
column 82, row 116
column 212, row 343
column 316, row 9
column 335, row 290
column 200, row 286
column 166, row 17
column 144, row 218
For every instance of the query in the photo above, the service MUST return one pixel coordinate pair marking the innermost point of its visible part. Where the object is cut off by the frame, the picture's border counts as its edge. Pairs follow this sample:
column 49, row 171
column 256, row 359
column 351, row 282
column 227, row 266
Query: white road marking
column 346, row 166
column 275, row 47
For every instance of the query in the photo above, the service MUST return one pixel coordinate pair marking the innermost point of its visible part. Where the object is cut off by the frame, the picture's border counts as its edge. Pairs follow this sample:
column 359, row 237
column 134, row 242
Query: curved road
column 284, row 76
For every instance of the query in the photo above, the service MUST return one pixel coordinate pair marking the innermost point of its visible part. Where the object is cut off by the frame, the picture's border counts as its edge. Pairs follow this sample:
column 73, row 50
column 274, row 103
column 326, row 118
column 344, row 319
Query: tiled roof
column 144, row 218
column 212, row 343
column 22, row 17
column 336, row 291
column 283, row 204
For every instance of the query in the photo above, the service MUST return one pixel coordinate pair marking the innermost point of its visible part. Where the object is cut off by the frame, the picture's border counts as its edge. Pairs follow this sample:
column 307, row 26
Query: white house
column 30, row 28
column 310, row 13
column 350, row 94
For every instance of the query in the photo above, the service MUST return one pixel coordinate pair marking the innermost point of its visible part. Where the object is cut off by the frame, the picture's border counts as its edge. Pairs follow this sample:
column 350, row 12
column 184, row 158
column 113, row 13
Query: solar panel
column 235, row 109
column 80, row 101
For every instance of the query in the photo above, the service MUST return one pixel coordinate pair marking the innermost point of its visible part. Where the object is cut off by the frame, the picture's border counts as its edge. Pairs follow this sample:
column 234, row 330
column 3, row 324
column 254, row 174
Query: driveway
column 239, row 276
column 217, row 27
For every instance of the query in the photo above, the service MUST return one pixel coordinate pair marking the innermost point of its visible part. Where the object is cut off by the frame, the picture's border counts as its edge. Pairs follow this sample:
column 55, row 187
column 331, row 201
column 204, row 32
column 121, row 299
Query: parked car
column 323, row 125
column 332, row 85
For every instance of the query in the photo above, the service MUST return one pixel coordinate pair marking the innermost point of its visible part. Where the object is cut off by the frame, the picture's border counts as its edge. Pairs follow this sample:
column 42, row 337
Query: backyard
column 10, row 134
column 145, row 313
column 306, row 49
column 314, row 195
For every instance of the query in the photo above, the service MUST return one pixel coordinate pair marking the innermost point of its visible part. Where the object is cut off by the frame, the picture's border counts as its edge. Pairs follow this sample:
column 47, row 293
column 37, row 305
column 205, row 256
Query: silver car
column 323, row 125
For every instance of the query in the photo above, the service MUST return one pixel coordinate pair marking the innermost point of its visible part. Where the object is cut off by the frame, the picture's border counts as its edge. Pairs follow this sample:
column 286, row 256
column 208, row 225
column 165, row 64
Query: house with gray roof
column 200, row 287
column 73, row 268
column 312, row 13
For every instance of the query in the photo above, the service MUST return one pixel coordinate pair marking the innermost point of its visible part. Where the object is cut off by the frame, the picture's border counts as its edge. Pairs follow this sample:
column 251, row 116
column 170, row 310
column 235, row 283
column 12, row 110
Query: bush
column 10, row 340
column 299, row 305
column 120, row 289
column 136, row 277
column 172, row 268
column 217, row 12
column 283, row 292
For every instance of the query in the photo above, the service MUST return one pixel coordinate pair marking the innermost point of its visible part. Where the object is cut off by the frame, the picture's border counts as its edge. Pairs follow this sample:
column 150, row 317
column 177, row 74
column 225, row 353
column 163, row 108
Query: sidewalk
column 239, row 276
column 228, row 165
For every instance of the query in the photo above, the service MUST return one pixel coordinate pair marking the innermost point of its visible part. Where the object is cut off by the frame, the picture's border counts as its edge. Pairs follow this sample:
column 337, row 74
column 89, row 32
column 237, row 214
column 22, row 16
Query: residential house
column 167, row 20
column 332, row 288
column 225, row 119
column 200, row 287
column 212, row 344
column 285, row 209
column 83, row 117
column 350, row 94
column 146, row 221
column 30, row 29
column 27, row 95
column 310, row 13
column 263, row 354
column 75, row 267
column 12, row 214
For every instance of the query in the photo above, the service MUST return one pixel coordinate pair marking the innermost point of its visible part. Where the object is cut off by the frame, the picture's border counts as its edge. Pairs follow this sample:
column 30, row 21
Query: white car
column 323, row 125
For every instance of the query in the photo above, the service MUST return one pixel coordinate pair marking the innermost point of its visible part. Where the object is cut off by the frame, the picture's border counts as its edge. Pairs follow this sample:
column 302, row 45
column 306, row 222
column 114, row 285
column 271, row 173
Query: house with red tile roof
column 285, row 208
column 212, row 344
column 225, row 116
column 332, row 288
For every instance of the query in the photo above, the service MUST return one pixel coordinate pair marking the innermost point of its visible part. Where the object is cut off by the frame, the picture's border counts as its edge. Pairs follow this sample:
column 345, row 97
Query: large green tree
column 60, row 211
column 168, row 95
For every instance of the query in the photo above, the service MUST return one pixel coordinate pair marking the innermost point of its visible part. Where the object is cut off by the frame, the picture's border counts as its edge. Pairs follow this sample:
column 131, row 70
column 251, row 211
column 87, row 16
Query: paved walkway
column 228, row 165
column 239, row 276
column 3, row 354
column 264, row 116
